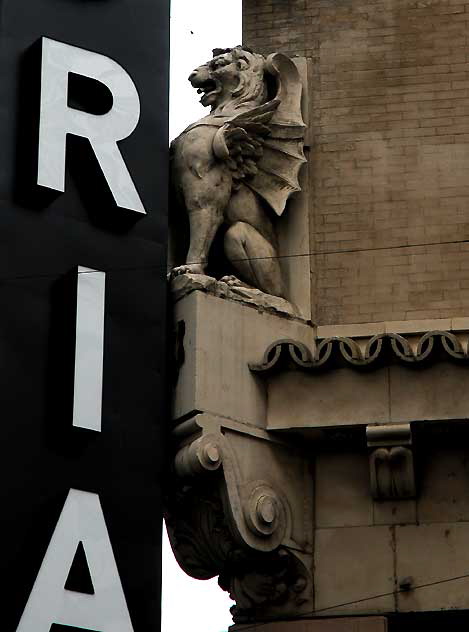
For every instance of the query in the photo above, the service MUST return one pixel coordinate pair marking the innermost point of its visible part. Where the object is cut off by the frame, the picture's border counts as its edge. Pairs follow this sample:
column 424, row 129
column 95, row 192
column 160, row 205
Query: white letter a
column 81, row 520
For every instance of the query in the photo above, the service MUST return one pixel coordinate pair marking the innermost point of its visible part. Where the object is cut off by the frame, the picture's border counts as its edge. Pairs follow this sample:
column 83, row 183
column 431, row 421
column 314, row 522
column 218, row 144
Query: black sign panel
column 96, row 490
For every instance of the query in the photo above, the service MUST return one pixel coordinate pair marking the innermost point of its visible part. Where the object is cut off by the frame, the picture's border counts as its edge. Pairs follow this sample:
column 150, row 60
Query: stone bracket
column 259, row 500
column 241, row 508
column 392, row 475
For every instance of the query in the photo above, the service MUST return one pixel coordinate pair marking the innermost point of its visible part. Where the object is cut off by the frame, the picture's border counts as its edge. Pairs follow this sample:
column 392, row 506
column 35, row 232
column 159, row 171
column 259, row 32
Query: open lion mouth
column 207, row 89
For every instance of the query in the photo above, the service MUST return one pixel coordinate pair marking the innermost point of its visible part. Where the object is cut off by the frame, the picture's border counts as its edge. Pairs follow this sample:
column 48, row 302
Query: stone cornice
column 359, row 352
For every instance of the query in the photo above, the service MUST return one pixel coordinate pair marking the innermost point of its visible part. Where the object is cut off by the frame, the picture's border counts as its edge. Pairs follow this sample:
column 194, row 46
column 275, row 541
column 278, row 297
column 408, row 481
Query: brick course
column 390, row 154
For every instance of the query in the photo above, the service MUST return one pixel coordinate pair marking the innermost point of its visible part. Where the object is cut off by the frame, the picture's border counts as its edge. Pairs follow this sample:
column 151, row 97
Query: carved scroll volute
column 392, row 475
column 259, row 513
column 202, row 455
column 263, row 510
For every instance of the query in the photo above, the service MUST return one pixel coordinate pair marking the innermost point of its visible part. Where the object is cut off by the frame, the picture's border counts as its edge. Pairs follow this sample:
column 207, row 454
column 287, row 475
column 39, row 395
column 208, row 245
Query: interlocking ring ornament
column 278, row 353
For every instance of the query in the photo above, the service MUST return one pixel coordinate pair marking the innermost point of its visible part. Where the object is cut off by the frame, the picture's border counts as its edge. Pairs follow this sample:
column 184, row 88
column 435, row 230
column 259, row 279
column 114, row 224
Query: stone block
column 334, row 398
column 221, row 338
column 460, row 324
column 417, row 326
column 394, row 512
column 431, row 555
column 444, row 475
column 354, row 567
column 342, row 490
column 365, row 330
column 435, row 393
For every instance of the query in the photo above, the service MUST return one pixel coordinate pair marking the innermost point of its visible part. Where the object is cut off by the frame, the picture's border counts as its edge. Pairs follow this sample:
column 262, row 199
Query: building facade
column 320, row 450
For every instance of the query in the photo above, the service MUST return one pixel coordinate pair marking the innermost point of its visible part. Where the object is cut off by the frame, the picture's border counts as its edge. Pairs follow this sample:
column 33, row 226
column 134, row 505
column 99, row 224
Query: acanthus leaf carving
column 261, row 584
column 273, row 584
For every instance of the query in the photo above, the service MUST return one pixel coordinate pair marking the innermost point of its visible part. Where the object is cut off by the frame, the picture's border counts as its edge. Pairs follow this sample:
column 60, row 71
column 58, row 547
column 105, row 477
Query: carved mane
column 252, row 88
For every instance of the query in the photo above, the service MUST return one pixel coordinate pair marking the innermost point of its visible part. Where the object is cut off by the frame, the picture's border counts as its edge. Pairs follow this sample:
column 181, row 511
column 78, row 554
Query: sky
column 197, row 26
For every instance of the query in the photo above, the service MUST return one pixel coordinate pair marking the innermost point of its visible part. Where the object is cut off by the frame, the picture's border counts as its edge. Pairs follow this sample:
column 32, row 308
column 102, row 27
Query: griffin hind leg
column 254, row 258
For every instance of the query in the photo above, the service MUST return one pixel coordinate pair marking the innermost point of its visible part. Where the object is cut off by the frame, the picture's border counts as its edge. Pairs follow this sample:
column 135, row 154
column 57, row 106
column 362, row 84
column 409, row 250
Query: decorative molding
column 231, row 521
column 392, row 474
column 380, row 349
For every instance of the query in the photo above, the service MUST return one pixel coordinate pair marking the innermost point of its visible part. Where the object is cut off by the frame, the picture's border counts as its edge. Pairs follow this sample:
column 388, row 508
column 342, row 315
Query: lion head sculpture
column 234, row 77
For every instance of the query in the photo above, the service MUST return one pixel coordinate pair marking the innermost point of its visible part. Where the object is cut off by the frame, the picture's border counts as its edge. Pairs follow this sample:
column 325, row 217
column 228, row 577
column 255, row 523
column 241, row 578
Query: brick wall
column 390, row 155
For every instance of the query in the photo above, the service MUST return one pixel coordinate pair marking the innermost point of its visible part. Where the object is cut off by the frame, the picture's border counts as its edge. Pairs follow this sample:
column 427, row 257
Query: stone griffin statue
column 234, row 170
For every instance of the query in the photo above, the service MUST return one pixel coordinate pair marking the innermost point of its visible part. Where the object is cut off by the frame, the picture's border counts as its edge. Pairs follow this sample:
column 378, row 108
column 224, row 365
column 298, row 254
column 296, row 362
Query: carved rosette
column 223, row 520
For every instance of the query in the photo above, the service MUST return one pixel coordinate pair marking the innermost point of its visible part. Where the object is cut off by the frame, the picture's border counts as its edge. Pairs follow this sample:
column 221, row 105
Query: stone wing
column 241, row 140
column 264, row 147
column 280, row 164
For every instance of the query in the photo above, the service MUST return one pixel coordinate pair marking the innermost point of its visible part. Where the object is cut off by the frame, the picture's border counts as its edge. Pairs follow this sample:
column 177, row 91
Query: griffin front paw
column 233, row 281
column 188, row 268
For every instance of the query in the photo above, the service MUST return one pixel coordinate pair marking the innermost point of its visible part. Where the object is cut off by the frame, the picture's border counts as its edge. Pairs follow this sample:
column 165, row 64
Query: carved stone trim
column 224, row 521
column 378, row 350
column 261, row 584
column 392, row 474
column 261, row 514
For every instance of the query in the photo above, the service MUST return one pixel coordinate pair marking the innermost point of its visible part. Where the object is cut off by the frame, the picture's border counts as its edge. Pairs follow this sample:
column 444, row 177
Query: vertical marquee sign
column 83, row 172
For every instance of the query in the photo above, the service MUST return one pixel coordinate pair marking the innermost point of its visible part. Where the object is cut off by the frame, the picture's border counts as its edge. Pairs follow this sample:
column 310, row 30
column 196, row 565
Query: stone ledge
column 366, row 330
column 185, row 284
